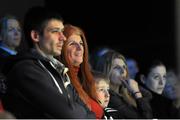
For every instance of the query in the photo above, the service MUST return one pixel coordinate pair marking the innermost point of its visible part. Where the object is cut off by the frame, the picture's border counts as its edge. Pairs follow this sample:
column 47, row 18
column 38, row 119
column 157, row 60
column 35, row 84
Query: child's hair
column 98, row 76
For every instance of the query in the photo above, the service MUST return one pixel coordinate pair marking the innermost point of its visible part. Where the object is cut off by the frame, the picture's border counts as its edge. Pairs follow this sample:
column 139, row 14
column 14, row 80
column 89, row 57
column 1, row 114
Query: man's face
column 156, row 79
column 52, row 40
column 12, row 34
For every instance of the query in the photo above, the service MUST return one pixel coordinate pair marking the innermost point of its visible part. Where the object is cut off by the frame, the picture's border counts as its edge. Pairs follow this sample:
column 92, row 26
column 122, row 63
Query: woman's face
column 12, row 34
column 118, row 71
column 102, row 89
column 75, row 49
column 156, row 79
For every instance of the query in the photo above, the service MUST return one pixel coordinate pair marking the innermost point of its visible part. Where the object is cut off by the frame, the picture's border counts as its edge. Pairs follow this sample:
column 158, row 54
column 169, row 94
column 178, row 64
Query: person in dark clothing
column 10, row 37
column 126, row 96
column 153, row 77
column 38, row 84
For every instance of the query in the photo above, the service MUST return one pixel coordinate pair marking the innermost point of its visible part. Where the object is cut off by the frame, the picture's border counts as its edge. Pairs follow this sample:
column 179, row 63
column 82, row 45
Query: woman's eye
column 116, row 67
column 164, row 77
column 10, row 29
column 72, row 43
column 156, row 77
column 124, row 66
column 81, row 43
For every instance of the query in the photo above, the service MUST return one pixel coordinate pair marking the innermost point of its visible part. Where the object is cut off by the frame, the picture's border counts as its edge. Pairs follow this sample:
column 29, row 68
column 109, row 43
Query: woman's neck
column 76, row 69
column 114, row 87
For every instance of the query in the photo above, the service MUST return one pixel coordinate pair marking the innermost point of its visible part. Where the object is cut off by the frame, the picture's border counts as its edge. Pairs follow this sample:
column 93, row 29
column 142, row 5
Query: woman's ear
column 142, row 78
column 35, row 36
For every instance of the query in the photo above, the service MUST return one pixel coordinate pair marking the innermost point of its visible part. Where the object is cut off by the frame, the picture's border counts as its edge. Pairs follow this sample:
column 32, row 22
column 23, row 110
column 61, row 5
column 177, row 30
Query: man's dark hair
column 36, row 19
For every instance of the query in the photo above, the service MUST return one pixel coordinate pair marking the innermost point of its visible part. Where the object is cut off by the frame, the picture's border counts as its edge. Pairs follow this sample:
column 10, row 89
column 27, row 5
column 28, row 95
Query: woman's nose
column 161, row 81
column 78, row 46
column 16, row 32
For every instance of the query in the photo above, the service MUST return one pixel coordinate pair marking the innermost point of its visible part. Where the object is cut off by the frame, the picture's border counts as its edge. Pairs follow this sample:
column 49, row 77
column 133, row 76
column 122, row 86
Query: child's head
column 102, row 88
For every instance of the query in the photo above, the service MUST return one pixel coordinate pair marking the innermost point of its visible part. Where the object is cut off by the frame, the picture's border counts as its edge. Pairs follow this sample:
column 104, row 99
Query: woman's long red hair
column 85, row 89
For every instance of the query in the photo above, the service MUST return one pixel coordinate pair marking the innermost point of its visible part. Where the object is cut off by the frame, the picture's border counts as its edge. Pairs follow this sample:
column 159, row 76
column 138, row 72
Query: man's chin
column 57, row 54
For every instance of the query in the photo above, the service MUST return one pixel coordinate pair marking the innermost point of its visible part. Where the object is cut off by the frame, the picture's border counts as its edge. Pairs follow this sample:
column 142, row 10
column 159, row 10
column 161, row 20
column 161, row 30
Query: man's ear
column 35, row 36
column 142, row 78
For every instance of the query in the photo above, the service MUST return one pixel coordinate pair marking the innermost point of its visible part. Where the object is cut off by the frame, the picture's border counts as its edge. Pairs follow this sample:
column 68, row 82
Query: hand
column 134, row 88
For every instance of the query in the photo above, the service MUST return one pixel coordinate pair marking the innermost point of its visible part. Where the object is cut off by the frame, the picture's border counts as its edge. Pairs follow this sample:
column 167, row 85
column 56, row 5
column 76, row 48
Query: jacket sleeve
column 143, row 104
column 38, row 88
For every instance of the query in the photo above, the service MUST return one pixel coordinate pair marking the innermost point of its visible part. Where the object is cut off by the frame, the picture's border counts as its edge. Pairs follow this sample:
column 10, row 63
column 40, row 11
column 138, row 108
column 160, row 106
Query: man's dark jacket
column 32, row 93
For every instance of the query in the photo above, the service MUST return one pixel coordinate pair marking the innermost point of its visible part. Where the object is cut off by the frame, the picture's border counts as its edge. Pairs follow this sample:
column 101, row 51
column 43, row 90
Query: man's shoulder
column 3, row 53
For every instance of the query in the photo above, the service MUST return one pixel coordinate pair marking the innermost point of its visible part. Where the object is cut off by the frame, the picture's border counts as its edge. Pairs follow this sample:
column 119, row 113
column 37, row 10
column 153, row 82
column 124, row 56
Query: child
column 102, row 89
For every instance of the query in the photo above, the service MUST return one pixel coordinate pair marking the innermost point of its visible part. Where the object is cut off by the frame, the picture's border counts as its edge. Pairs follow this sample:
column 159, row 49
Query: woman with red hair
column 75, row 57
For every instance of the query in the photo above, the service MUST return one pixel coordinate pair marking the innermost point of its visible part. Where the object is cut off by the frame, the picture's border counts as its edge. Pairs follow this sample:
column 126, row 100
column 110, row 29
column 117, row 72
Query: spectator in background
column 132, row 67
column 169, row 89
column 96, row 54
column 126, row 96
column 153, row 76
column 10, row 37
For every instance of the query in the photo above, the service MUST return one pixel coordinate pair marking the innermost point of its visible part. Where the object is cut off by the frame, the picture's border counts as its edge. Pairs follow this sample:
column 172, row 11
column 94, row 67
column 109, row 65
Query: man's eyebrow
column 56, row 28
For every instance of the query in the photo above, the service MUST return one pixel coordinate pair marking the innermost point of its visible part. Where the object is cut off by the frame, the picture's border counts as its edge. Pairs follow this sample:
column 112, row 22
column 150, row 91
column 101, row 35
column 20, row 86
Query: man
column 38, row 86
column 10, row 35
column 10, row 38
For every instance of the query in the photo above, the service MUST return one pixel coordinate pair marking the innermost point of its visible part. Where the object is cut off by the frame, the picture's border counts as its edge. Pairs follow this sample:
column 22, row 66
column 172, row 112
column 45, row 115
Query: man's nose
column 62, row 36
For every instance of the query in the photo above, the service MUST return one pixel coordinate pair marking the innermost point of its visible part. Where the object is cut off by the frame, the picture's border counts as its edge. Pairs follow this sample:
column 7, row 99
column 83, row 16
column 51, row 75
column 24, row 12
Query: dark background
column 143, row 30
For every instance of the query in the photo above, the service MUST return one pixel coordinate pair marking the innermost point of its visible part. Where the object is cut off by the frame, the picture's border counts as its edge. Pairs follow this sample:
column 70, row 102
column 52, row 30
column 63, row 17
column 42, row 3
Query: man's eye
column 54, row 31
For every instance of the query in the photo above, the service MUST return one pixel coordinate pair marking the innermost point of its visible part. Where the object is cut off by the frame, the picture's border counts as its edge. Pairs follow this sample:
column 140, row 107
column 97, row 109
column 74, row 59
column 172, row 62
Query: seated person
column 10, row 36
column 153, row 76
column 102, row 89
column 126, row 96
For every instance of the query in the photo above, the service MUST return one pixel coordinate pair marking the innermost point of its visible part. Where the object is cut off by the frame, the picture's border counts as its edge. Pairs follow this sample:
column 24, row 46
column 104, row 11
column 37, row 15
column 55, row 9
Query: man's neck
column 41, row 52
